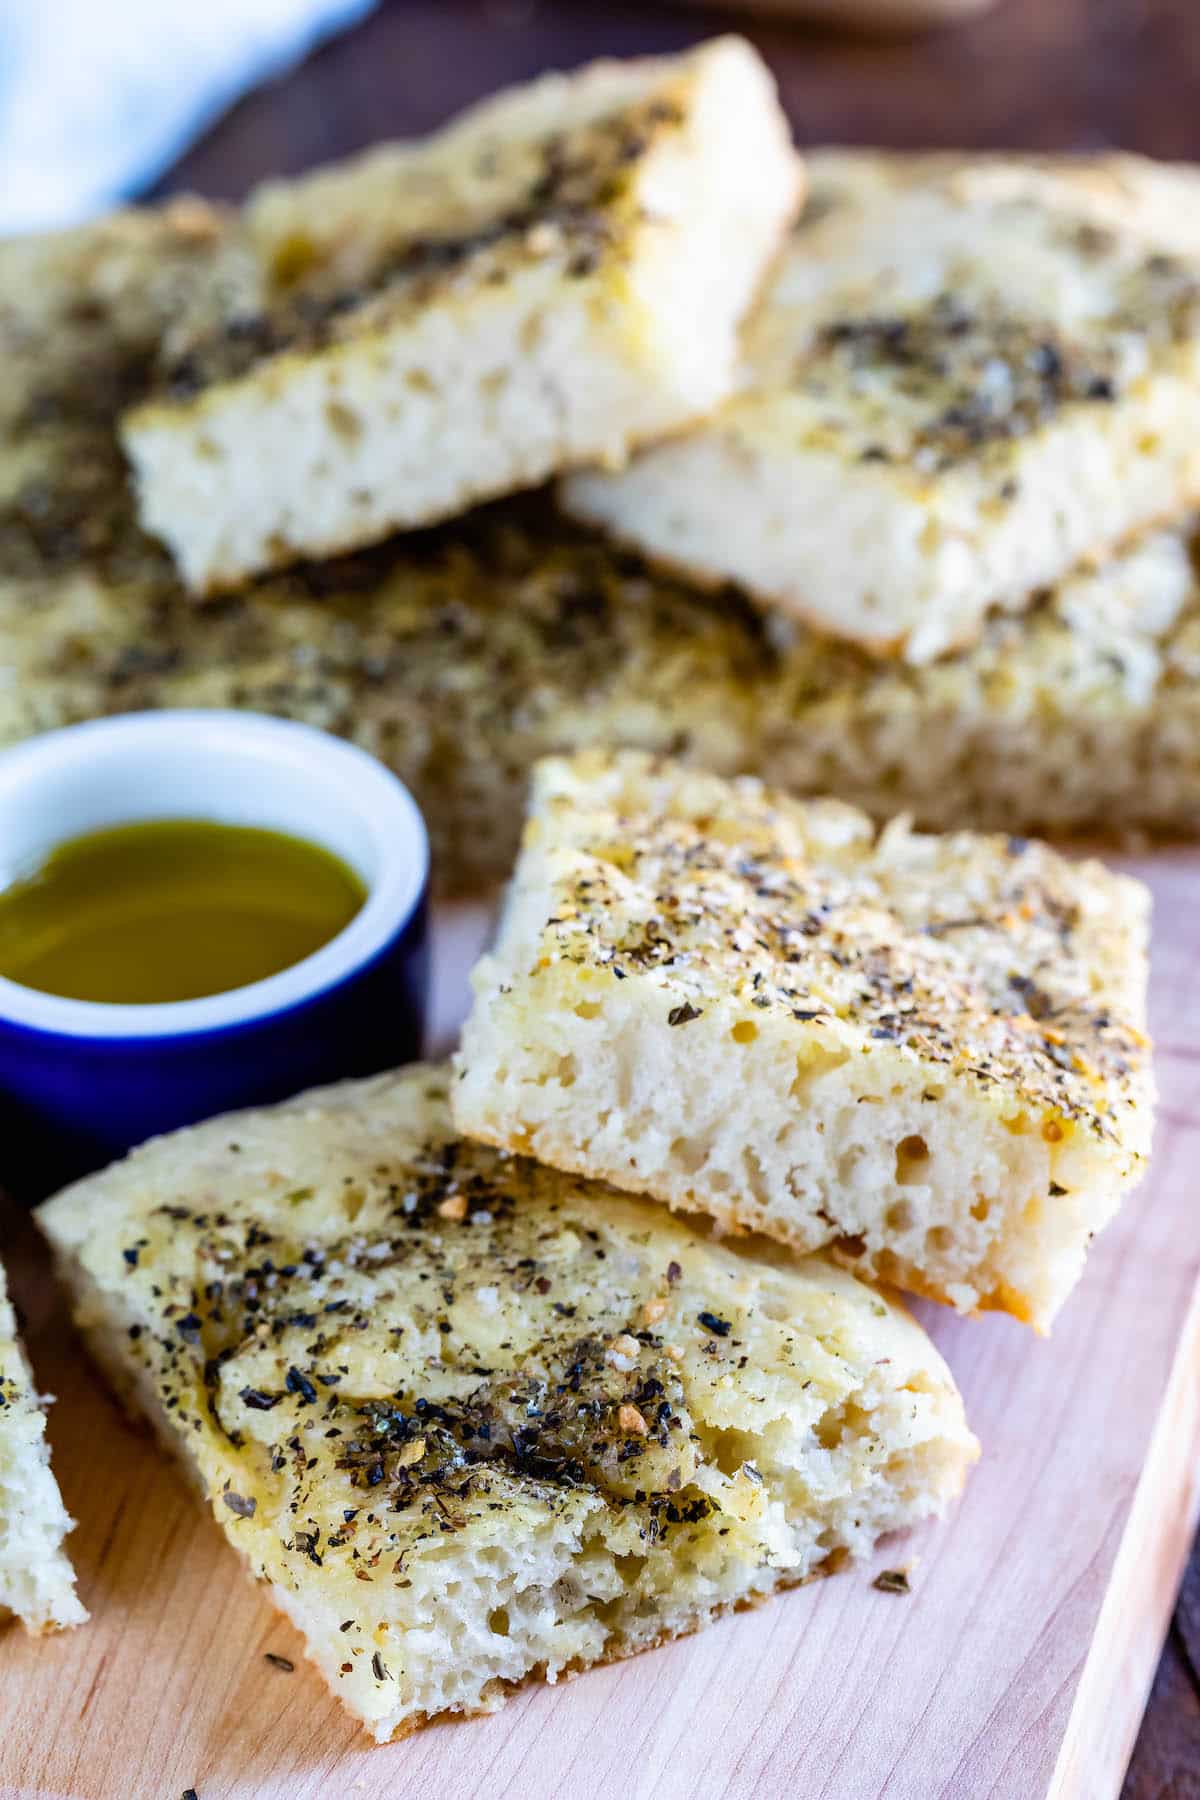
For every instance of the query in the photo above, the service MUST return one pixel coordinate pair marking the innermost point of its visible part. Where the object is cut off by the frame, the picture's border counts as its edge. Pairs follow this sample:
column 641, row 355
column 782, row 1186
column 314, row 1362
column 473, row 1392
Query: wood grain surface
column 1017, row 1667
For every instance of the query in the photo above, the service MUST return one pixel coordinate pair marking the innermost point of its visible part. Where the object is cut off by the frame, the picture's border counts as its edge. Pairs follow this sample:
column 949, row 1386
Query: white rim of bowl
column 388, row 809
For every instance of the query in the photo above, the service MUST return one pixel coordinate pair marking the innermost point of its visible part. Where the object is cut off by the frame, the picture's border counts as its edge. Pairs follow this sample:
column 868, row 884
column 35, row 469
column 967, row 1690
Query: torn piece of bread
column 37, row 1582
column 554, row 278
column 968, row 374
column 473, row 1420
column 926, row 1053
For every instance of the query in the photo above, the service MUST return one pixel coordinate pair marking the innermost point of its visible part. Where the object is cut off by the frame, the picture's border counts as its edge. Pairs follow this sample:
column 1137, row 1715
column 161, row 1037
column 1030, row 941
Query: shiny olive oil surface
column 171, row 910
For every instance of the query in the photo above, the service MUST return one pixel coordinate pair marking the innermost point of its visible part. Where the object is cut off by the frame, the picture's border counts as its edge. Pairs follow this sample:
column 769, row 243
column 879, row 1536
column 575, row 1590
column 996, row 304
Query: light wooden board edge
column 1136, row 1614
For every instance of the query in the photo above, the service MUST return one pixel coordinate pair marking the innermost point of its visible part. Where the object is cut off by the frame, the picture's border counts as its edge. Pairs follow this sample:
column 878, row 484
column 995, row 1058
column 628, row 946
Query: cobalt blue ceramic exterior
column 81, row 1082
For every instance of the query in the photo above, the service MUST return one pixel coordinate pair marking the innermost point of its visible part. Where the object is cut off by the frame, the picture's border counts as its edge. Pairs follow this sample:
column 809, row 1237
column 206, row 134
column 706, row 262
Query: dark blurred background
column 1033, row 74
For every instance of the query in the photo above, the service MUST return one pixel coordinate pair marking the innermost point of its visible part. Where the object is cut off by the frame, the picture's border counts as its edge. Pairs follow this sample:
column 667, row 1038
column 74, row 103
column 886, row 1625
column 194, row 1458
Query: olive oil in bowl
column 172, row 909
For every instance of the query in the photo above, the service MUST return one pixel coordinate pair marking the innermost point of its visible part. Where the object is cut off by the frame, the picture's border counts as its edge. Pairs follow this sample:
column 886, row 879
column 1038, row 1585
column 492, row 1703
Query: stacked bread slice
column 966, row 376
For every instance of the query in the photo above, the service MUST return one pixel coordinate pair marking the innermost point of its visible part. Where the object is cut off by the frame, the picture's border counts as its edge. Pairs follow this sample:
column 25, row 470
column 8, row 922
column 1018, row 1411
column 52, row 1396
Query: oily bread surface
column 342, row 1317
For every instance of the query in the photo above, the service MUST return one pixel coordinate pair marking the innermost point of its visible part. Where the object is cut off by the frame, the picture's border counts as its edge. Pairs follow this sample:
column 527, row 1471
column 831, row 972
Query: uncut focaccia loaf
column 927, row 1053
column 37, row 1582
column 553, row 278
column 473, row 1420
column 968, row 373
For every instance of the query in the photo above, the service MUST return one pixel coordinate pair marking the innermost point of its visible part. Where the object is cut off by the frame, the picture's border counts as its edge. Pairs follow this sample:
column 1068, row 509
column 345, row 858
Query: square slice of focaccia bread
column 926, row 1053
column 553, row 278
column 37, row 1582
column 473, row 1420
column 967, row 374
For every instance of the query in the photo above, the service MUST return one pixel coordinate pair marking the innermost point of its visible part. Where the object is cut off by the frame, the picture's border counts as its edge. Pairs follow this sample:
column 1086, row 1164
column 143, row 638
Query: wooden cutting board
column 1018, row 1665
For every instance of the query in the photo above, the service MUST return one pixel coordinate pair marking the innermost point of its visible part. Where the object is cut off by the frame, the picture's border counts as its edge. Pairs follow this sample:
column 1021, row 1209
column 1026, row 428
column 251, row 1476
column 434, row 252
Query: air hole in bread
column 689, row 1153
column 848, row 1162
column 731, row 1449
column 888, row 1266
column 912, row 1153
column 343, row 421
column 756, row 1180
column 352, row 1199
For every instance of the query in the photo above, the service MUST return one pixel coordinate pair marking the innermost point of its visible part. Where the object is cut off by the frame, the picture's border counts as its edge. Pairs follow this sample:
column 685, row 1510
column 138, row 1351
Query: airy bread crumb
column 968, row 374
column 555, row 277
column 926, row 1053
column 37, row 1582
column 450, row 1444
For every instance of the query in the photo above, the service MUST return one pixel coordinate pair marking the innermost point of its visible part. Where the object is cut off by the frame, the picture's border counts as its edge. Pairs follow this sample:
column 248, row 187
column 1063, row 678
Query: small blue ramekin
column 81, row 1082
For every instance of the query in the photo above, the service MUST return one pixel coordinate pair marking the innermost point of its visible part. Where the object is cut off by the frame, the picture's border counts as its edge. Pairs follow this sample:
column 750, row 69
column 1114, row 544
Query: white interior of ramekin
column 237, row 769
